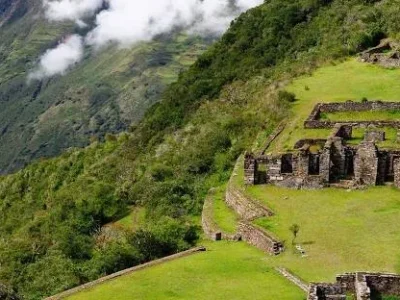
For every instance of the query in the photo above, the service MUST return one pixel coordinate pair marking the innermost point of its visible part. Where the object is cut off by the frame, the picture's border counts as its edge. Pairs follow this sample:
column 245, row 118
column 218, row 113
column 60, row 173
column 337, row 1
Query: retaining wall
column 125, row 272
column 313, row 120
column 260, row 238
column 245, row 207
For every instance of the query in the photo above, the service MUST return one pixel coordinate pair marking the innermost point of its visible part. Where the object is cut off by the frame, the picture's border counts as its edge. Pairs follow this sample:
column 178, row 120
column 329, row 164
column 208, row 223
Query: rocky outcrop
column 7, row 293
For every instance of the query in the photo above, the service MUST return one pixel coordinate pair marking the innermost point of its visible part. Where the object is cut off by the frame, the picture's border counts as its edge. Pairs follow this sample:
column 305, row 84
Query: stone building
column 316, row 163
column 362, row 285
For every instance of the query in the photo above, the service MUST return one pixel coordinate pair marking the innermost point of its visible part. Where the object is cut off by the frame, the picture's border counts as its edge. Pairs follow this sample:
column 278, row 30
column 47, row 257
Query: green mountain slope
column 107, row 92
column 54, row 213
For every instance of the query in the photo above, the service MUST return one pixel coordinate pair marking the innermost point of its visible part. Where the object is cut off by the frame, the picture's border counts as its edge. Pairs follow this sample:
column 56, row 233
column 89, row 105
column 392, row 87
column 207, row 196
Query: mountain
column 107, row 92
column 60, row 218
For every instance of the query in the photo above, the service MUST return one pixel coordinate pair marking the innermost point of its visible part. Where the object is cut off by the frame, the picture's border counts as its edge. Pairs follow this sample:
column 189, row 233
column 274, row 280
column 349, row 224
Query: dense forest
column 57, row 215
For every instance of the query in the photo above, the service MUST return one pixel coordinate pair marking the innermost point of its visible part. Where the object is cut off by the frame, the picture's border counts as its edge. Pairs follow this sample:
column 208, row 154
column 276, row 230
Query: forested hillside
column 108, row 91
column 52, row 213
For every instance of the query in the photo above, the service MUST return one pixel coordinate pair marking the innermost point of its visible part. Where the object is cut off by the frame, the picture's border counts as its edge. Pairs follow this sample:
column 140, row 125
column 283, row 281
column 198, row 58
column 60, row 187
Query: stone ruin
column 386, row 54
column 358, row 286
column 317, row 163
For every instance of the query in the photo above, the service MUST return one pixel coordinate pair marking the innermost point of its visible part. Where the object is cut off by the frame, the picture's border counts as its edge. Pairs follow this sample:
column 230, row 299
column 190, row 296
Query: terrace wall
column 245, row 207
column 126, row 271
column 313, row 120
column 260, row 238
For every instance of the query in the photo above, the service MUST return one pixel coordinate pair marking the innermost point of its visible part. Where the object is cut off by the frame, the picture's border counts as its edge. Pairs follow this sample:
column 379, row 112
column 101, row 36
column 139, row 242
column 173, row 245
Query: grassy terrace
column 391, row 115
column 349, row 80
column 340, row 230
column 225, row 217
column 228, row 270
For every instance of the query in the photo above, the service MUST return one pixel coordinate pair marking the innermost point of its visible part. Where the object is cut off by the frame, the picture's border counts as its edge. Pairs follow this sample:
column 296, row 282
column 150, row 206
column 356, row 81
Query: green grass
column 391, row 115
column 134, row 220
column 341, row 230
column 351, row 80
column 225, row 218
column 228, row 270
column 389, row 142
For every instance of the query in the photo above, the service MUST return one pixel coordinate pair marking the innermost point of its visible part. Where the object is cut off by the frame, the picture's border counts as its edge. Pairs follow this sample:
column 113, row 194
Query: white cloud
column 128, row 21
column 74, row 10
column 59, row 59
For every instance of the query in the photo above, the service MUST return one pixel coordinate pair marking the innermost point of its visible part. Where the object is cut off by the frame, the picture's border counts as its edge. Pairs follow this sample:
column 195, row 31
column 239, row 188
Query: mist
column 59, row 59
column 126, row 22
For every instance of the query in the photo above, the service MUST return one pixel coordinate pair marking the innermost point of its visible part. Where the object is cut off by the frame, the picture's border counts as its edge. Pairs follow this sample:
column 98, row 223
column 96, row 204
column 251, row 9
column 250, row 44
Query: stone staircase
column 294, row 279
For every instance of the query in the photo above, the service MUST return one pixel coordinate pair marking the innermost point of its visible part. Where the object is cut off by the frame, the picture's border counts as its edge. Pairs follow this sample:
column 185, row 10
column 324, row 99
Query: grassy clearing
column 351, row 80
column 228, row 270
column 392, row 115
column 225, row 217
column 134, row 220
column 340, row 230
column 389, row 142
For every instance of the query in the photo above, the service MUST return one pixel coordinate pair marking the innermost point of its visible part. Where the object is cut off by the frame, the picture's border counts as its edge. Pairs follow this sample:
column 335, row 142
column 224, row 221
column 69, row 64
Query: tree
column 295, row 228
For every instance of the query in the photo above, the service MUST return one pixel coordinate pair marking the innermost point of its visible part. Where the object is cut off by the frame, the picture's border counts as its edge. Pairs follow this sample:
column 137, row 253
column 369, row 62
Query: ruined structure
column 386, row 54
column 317, row 163
column 359, row 285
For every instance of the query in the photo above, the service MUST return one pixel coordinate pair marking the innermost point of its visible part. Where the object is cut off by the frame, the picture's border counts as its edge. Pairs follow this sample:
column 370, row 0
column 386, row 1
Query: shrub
column 286, row 96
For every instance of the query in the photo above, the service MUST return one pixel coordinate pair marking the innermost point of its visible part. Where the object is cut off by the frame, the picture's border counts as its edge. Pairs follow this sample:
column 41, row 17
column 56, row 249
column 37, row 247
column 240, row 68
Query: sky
column 126, row 22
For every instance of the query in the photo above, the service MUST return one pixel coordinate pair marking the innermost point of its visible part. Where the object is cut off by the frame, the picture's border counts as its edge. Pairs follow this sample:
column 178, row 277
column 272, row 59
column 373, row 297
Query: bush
column 286, row 96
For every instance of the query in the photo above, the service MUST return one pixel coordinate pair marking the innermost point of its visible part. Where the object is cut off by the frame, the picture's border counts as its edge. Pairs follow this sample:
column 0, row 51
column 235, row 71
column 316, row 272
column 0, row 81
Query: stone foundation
column 317, row 163
column 313, row 120
column 362, row 285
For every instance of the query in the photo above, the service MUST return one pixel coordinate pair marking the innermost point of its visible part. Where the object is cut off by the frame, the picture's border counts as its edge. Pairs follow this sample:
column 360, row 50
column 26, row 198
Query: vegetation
column 106, row 93
column 341, row 230
column 339, row 82
column 228, row 270
column 391, row 115
column 55, row 214
column 294, row 229
column 225, row 218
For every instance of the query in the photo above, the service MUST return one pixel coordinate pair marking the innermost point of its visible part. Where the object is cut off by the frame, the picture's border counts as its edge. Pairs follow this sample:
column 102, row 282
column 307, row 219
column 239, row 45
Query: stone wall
column 396, row 171
column 326, row 291
column 250, row 169
column 383, row 284
column 273, row 136
column 374, row 135
column 313, row 120
column 366, row 164
column 260, row 238
column 363, row 285
column 300, row 143
column 245, row 207
column 125, row 272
